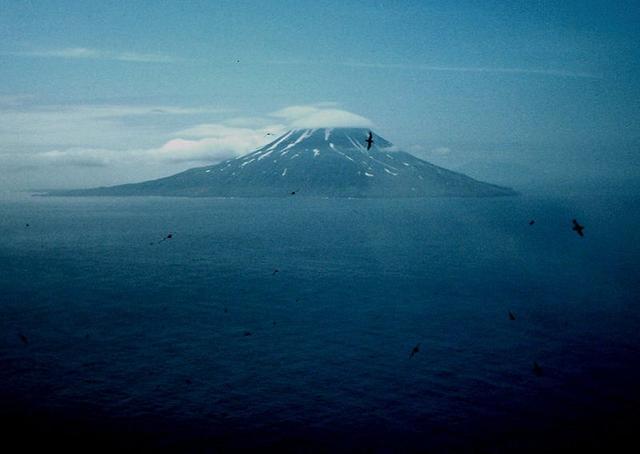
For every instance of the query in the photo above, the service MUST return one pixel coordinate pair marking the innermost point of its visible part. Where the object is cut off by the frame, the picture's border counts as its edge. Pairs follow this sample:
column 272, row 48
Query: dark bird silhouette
column 531, row 222
column 275, row 271
column 369, row 141
column 415, row 350
column 294, row 192
column 225, row 309
column 577, row 228
column 27, row 225
column 188, row 381
column 537, row 370
column 24, row 339
column 511, row 316
column 168, row 237
column 247, row 333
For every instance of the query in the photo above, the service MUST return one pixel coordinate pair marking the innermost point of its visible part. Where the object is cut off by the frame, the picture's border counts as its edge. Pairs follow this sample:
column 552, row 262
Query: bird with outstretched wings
column 579, row 229
column 369, row 140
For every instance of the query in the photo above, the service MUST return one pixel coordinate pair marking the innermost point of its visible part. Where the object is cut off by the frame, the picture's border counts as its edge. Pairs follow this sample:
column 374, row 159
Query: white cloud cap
column 318, row 117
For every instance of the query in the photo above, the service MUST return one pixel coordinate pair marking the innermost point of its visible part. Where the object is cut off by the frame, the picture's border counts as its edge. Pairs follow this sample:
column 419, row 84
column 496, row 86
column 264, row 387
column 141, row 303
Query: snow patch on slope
column 305, row 134
column 282, row 139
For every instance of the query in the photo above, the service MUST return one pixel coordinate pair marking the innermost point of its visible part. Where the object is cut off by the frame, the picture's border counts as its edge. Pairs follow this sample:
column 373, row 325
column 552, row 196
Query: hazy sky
column 107, row 92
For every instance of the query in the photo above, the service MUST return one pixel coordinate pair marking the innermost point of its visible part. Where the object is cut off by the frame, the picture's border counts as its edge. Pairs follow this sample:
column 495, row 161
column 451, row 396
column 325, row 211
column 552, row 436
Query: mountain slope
column 331, row 162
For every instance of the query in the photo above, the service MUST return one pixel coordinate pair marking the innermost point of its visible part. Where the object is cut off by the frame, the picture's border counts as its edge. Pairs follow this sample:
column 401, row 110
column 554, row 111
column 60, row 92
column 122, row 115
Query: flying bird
column 275, row 271
column 24, row 339
column 247, row 333
column 415, row 350
column 577, row 228
column 511, row 316
column 168, row 237
column 369, row 141
column 27, row 225
column 537, row 370
column 294, row 192
column 531, row 222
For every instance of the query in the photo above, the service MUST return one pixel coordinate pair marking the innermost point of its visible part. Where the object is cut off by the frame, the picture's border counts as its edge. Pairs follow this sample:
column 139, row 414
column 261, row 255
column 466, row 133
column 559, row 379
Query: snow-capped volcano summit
column 332, row 162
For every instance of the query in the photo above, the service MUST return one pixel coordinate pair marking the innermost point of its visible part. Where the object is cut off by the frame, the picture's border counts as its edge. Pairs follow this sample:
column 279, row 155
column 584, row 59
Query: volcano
column 327, row 162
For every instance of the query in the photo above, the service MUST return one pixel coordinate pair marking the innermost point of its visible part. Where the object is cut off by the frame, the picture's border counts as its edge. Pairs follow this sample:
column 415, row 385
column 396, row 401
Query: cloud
column 294, row 113
column 206, row 150
column 248, row 122
column 90, row 126
column 14, row 100
column 78, row 157
column 215, row 142
column 533, row 71
column 98, row 54
column 103, row 138
column 204, row 143
column 225, row 129
column 316, row 116
column 553, row 72
column 116, row 110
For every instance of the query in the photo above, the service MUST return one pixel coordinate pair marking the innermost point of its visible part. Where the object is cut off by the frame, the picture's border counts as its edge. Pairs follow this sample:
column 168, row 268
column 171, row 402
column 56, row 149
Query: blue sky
column 107, row 92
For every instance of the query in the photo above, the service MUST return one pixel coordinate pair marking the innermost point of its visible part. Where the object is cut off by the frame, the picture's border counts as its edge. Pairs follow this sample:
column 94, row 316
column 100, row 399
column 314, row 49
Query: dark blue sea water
column 147, row 341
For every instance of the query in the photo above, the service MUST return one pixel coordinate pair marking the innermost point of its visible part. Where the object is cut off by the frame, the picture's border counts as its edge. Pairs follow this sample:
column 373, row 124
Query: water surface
column 149, row 340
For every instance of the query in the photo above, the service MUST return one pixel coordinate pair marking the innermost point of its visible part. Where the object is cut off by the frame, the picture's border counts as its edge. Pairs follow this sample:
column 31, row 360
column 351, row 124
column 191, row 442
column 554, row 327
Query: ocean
column 288, row 324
